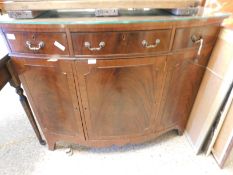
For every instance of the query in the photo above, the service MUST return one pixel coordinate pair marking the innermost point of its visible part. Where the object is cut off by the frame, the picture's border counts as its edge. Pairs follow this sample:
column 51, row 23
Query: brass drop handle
column 146, row 45
column 195, row 39
column 88, row 45
column 32, row 48
column 198, row 40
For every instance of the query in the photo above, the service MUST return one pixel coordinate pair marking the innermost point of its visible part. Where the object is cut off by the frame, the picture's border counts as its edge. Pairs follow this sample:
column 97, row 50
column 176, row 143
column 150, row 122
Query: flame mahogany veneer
column 113, row 94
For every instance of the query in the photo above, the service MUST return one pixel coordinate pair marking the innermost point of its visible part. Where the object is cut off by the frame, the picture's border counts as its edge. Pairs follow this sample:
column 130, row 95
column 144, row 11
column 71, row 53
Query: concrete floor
column 21, row 154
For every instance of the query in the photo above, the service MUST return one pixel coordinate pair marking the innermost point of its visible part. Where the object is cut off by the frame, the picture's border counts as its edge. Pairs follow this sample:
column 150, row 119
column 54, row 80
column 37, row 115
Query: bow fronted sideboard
column 111, row 80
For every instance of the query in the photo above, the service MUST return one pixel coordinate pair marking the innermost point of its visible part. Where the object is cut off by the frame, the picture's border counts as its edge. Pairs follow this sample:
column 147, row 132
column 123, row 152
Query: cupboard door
column 120, row 97
column 52, row 91
column 183, row 77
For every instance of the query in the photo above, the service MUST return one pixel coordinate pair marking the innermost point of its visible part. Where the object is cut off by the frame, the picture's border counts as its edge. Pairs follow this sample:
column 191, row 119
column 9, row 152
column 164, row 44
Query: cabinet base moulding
column 53, row 139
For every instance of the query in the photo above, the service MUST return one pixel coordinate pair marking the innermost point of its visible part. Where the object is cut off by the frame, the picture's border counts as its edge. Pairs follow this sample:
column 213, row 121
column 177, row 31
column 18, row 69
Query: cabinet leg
column 180, row 131
column 27, row 109
column 51, row 145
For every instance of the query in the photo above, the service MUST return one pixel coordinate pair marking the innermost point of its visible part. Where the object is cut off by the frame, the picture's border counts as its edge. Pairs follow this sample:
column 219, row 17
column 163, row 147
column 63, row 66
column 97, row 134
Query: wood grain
column 113, row 91
column 182, row 84
column 52, row 90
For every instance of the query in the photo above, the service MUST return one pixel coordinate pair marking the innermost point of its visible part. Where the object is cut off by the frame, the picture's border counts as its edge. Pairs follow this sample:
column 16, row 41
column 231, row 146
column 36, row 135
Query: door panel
column 184, row 75
column 120, row 97
column 52, row 89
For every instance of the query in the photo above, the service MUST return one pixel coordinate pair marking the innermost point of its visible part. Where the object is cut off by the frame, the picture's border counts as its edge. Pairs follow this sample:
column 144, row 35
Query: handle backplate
column 88, row 46
column 41, row 44
column 148, row 46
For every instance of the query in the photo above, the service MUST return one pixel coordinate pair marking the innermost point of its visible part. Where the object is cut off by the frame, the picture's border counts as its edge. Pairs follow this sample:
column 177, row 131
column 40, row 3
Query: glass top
column 125, row 17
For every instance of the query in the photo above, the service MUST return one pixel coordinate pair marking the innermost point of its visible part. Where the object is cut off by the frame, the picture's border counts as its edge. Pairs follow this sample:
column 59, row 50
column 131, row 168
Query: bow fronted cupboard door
column 184, row 74
column 50, row 86
column 120, row 97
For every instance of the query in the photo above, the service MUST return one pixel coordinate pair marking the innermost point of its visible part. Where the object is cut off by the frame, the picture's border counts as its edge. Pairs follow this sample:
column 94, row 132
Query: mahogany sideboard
column 110, row 81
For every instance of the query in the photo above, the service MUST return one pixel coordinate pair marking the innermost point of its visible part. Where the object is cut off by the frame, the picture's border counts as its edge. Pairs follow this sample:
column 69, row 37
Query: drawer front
column 121, row 42
column 149, row 41
column 189, row 37
column 38, row 43
column 99, row 43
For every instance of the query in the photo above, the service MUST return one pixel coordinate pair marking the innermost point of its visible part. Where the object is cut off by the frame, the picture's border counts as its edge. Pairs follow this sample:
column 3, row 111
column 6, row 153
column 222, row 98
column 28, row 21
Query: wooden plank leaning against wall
column 222, row 145
column 222, row 148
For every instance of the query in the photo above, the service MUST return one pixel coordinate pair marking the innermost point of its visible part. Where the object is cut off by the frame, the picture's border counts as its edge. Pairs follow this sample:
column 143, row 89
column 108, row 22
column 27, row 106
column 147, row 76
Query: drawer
column 38, row 42
column 149, row 41
column 121, row 42
column 188, row 37
column 99, row 43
